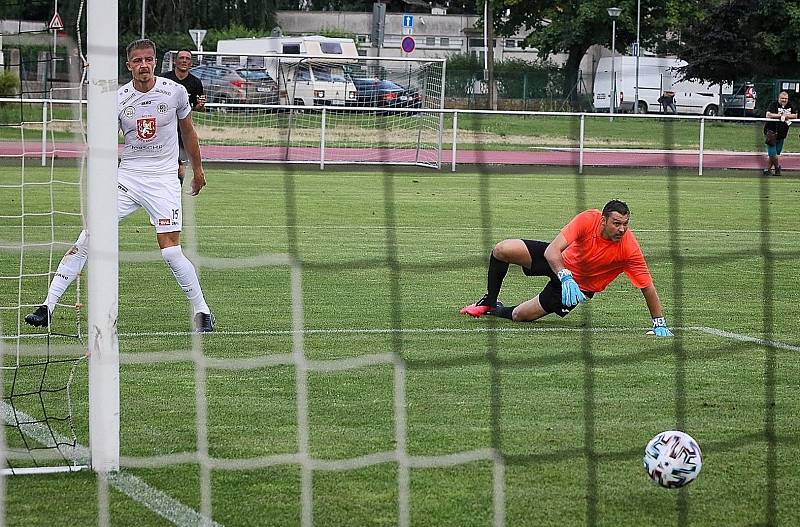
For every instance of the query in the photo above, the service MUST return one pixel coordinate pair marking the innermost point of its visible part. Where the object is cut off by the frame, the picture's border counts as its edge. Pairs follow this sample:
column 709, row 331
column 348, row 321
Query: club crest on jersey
column 129, row 112
column 146, row 128
column 162, row 107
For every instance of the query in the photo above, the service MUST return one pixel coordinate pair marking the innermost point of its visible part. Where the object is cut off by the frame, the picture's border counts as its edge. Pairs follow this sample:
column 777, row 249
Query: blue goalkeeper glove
column 660, row 328
column 571, row 294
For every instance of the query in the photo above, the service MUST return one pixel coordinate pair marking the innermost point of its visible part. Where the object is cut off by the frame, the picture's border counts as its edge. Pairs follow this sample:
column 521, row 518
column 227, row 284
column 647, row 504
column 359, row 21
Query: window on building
column 511, row 43
column 430, row 41
column 444, row 42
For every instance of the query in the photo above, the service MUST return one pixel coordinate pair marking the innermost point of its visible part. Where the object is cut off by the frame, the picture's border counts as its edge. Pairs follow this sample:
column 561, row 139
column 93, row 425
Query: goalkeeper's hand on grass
column 660, row 328
column 571, row 294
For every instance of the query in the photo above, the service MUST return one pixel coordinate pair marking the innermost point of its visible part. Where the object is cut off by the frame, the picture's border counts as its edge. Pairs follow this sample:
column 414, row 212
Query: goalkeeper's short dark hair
column 616, row 205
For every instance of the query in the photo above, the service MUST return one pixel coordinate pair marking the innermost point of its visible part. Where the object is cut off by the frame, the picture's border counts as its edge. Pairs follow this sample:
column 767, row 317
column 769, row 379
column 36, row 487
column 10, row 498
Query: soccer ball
column 673, row 459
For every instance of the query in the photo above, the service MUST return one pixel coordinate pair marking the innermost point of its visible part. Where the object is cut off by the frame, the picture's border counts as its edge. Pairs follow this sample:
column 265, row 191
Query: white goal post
column 101, row 222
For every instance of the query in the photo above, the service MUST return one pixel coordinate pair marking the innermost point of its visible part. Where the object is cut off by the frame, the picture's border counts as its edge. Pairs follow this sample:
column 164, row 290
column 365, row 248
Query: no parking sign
column 408, row 44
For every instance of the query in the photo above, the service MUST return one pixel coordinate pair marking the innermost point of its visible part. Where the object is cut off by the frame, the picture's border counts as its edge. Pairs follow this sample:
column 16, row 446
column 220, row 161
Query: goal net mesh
column 42, row 154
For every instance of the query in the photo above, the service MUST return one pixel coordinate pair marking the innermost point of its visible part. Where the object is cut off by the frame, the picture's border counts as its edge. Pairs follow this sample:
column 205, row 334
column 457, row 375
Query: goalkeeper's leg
column 68, row 269
column 504, row 253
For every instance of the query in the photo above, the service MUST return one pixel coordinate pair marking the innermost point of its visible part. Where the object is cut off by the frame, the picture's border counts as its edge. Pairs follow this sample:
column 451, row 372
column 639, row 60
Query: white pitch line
column 746, row 338
column 157, row 501
column 380, row 331
column 498, row 329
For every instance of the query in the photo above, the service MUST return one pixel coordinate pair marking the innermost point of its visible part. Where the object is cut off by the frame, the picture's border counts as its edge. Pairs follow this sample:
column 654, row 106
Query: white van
column 656, row 75
column 313, row 67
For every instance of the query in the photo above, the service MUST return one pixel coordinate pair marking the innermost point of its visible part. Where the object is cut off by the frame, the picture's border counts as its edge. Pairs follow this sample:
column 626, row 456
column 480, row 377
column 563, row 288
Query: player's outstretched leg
column 68, row 269
column 186, row 275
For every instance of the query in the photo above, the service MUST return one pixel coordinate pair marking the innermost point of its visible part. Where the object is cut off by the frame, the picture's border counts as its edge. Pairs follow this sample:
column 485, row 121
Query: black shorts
column 550, row 296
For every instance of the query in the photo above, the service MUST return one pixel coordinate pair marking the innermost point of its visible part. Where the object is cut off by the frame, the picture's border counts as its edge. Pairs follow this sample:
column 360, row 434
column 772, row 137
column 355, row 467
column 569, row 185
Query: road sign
column 197, row 37
column 408, row 21
column 408, row 44
column 635, row 49
column 55, row 22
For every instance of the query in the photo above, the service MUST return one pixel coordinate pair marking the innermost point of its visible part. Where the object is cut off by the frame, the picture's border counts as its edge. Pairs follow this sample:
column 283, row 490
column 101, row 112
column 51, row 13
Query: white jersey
column 149, row 124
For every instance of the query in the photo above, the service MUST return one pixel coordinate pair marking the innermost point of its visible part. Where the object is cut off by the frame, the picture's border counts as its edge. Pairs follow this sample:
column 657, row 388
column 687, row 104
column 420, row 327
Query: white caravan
column 308, row 69
column 656, row 75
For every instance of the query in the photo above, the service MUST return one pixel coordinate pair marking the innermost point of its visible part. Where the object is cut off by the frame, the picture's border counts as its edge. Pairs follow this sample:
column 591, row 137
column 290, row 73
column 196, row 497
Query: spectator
column 667, row 102
column 776, row 131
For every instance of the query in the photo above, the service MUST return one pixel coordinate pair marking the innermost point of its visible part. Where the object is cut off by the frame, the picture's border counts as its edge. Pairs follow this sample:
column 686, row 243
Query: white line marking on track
column 157, row 501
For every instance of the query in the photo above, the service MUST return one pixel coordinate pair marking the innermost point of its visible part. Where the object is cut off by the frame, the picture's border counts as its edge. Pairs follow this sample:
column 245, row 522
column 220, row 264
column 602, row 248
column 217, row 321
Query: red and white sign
column 146, row 128
column 55, row 22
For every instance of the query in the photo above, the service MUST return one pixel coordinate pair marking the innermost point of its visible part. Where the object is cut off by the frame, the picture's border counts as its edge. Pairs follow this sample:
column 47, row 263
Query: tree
column 572, row 27
column 739, row 39
column 720, row 46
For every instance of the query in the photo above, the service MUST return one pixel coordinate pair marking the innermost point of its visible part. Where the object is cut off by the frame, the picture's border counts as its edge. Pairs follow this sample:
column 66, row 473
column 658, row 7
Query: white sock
column 186, row 275
column 68, row 269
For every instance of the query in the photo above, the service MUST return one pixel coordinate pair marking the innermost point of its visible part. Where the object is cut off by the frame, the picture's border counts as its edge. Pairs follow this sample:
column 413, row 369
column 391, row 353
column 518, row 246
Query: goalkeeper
column 587, row 255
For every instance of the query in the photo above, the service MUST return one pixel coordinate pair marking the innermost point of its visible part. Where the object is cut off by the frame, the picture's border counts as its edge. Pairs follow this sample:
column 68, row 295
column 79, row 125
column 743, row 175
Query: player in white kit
column 150, row 110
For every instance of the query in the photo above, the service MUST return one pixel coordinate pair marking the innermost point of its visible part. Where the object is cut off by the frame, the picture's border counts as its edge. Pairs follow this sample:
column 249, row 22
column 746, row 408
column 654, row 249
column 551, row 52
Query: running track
column 534, row 156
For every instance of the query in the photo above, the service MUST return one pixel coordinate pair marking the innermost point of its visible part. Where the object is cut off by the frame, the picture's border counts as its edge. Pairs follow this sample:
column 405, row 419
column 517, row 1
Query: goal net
column 42, row 154
column 314, row 109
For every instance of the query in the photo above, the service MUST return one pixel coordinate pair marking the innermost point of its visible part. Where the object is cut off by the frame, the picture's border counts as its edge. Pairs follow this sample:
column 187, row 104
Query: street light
column 613, row 12
column 638, row 52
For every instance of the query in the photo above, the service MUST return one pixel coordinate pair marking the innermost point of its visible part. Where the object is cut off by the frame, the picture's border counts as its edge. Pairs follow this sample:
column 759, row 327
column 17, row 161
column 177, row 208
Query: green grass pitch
column 387, row 258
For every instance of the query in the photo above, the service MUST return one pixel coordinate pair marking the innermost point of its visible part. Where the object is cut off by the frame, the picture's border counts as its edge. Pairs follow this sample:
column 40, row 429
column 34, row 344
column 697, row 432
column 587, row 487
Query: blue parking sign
column 408, row 21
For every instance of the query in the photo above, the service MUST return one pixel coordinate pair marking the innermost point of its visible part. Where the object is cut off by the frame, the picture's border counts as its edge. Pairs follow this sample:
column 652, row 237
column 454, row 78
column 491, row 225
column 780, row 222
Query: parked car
column 385, row 94
column 224, row 84
column 742, row 102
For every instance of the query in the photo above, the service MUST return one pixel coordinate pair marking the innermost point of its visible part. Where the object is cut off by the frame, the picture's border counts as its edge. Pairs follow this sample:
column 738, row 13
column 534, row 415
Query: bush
column 9, row 83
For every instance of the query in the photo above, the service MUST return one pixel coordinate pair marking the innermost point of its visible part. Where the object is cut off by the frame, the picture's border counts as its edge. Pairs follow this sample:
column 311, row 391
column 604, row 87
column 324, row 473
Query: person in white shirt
column 150, row 110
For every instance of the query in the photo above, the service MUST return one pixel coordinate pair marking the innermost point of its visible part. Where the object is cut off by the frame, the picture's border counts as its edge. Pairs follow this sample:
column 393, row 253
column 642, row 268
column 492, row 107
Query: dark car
column 224, row 84
column 385, row 94
column 742, row 102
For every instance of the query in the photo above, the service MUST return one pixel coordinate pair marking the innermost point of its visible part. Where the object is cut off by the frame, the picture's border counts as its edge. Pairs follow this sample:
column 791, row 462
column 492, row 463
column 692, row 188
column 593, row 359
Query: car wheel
column 642, row 107
column 711, row 110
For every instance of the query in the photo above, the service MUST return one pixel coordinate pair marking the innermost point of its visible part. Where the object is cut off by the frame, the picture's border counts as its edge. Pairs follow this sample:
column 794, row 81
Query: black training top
column 192, row 85
column 779, row 127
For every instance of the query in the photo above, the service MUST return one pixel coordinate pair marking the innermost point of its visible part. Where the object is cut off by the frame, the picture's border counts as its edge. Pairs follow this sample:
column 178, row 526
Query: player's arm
column 571, row 294
column 656, row 312
column 192, row 147
column 200, row 100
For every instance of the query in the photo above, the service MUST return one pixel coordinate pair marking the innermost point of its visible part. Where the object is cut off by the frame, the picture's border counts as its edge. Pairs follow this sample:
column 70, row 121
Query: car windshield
column 389, row 85
column 253, row 75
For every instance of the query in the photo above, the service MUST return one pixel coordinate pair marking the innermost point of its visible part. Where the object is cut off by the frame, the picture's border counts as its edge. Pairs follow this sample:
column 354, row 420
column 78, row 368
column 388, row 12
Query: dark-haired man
column 197, row 98
column 587, row 255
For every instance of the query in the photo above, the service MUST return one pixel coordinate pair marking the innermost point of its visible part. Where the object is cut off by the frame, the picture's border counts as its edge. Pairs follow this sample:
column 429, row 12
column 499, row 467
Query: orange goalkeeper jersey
column 594, row 261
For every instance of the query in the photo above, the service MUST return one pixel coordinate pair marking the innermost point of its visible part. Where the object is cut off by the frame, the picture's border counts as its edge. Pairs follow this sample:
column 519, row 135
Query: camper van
column 656, row 76
column 309, row 69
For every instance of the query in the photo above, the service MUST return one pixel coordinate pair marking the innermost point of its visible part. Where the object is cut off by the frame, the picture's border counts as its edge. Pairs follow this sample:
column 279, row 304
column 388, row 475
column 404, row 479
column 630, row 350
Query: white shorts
column 160, row 196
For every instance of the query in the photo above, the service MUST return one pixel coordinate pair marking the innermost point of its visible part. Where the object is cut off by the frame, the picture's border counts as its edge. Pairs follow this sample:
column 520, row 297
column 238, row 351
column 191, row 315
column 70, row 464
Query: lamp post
column 613, row 12
column 638, row 52
column 144, row 3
